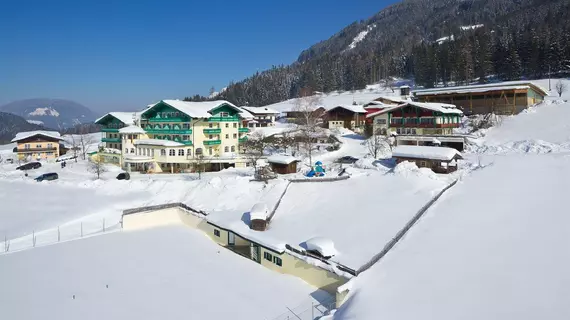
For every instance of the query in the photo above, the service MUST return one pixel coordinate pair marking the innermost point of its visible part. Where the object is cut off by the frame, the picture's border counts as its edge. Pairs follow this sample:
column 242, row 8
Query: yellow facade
column 37, row 150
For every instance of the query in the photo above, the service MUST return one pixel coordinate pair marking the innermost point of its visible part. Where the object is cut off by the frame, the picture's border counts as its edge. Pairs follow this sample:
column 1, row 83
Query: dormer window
column 224, row 114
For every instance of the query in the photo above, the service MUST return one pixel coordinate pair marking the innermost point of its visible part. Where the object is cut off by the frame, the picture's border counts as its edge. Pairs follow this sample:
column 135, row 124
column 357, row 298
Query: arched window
column 181, row 152
column 163, row 152
column 233, row 148
column 199, row 151
column 226, row 149
column 171, row 152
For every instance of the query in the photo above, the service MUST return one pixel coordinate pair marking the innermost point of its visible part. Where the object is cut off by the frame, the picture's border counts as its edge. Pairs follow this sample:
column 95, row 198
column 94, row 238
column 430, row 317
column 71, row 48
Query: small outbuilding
column 283, row 164
column 438, row 159
column 258, row 216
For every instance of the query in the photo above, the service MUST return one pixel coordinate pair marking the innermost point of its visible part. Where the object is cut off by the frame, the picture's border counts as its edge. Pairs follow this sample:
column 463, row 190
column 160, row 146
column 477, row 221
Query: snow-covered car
column 347, row 160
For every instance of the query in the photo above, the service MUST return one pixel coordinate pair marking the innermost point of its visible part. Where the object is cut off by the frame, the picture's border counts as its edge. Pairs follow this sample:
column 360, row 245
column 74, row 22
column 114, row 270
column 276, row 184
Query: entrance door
column 231, row 239
column 255, row 253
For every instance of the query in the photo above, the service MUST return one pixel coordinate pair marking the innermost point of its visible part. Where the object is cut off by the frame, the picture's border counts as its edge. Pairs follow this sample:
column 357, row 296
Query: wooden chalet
column 500, row 98
column 350, row 117
column 438, row 159
column 38, row 145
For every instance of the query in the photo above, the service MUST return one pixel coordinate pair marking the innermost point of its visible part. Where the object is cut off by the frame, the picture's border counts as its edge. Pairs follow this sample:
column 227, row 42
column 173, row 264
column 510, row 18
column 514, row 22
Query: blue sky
column 123, row 55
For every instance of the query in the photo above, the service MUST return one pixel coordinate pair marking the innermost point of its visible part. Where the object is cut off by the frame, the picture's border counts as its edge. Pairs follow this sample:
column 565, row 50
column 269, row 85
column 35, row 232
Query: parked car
column 9, row 160
column 47, row 176
column 29, row 166
column 124, row 176
column 347, row 160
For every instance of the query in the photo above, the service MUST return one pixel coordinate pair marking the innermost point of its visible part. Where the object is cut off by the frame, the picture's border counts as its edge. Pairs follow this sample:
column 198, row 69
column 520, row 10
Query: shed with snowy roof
column 283, row 164
column 438, row 159
column 258, row 216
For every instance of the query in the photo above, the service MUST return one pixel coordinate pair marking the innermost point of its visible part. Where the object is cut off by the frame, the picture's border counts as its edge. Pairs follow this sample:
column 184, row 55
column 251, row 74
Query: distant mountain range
column 11, row 124
column 51, row 113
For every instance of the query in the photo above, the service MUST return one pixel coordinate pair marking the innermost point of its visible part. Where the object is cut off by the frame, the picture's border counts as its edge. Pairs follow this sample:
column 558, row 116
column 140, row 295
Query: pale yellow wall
column 145, row 220
column 23, row 153
column 313, row 275
column 208, row 229
column 380, row 122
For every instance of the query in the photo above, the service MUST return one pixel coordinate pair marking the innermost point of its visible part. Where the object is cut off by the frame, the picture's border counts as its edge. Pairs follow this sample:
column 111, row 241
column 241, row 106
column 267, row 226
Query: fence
column 61, row 233
column 404, row 230
column 308, row 310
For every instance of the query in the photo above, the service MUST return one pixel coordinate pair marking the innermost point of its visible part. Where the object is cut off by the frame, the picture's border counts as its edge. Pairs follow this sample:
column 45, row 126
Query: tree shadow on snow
column 354, row 136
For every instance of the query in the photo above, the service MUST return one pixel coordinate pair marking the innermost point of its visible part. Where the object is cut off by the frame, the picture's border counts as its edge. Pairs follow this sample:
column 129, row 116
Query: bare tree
column 200, row 165
column 561, row 87
column 75, row 146
column 254, row 147
column 80, row 144
column 97, row 165
column 377, row 145
column 309, row 117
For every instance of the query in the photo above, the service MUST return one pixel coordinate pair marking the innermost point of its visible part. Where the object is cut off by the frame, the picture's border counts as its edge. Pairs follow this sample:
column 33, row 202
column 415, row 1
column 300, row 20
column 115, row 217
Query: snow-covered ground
column 359, row 215
column 167, row 273
column 495, row 247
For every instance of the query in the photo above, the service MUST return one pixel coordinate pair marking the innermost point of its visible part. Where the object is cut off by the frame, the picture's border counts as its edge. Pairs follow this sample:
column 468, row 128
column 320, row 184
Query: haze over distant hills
column 51, row 113
column 10, row 124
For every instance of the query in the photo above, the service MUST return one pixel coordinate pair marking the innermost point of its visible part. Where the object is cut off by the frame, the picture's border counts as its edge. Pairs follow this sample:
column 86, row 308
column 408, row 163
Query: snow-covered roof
column 259, row 211
column 509, row 85
column 159, row 142
column 124, row 117
column 350, row 107
column 324, row 246
column 260, row 110
column 395, row 99
column 281, row 159
column 434, row 106
column 27, row 134
column 197, row 109
column 244, row 114
column 424, row 152
column 132, row 129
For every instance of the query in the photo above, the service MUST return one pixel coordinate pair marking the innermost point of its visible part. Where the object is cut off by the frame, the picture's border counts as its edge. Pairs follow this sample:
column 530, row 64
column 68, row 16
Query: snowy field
column 495, row 247
column 166, row 273
column 359, row 215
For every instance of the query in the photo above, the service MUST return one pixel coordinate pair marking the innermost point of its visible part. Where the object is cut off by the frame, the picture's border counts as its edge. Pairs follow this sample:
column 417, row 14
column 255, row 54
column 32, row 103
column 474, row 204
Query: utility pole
column 549, row 87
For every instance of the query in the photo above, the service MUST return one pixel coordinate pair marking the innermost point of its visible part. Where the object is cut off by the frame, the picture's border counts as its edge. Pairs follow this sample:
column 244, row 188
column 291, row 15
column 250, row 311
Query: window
column 226, row 149
column 250, row 125
column 210, row 137
column 217, row 233
column 210, row 125
column 126, row 150
column 235, row 125
column 380, row 121
column 277, row 261
column 413, row 131
column 267, row 256
column 181, row 152
column 176, row 114
column 189, row 152
column 172, row 152
column 408, row 131
column 227, row 135
column 210, row 151
column 26, row 146
column 198, row 151
column 132, row 150
column 422, row 164
column 224, row 114
column 152, row 152
column 50, row 145
column 227, row 125
column 233, row 148
column 235, row 135
column 185, row 126
column 185, row 137
column 38, row 145
column 398, row 131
